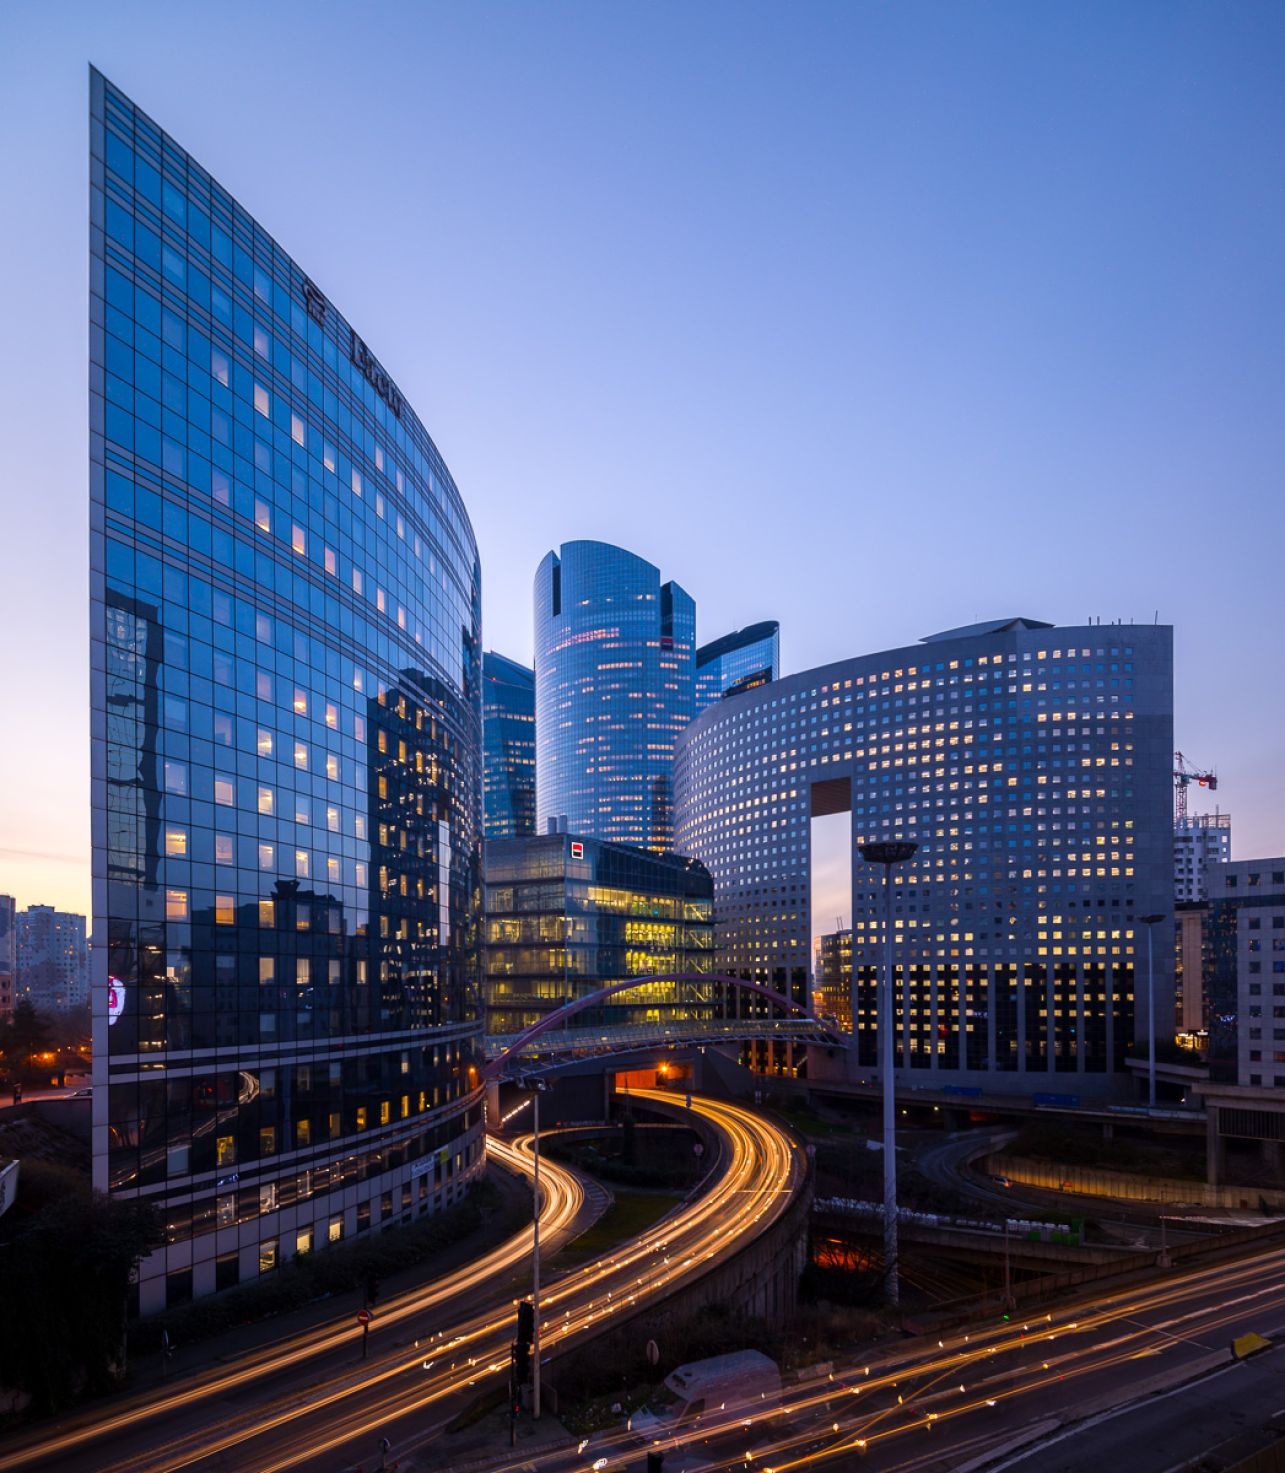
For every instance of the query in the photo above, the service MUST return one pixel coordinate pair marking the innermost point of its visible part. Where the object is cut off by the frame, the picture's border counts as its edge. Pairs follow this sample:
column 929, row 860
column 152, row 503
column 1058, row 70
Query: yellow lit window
column 267, row 913
column 176, row 843
column 385, row 1111
column 263, row 743
column 301, row 863
column 176, row 905
column 361, row 1117
column 262, row 516
column 225, row 1150
column 301, row 754
column 267, row 971
column 265, row 800
column 332, row 819
column 266, row 856
column 332, row 767
column 335, row 1229
column 224, row 910
column 299, row 540
column 224, row 791
column 300, row 701
column 332, row 716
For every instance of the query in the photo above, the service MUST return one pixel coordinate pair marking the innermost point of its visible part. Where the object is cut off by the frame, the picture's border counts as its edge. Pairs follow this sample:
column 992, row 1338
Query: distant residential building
column 508, row 735
column 614, row 686
column 8, row 952
column 737, row 662
column 53, row 960
column 834, row 980
column 1245, row 967
column 1198, row 841
column 567, row 915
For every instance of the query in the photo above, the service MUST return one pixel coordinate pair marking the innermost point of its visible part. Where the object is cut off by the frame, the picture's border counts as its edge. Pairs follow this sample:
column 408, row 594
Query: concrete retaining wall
column 1123, row 1186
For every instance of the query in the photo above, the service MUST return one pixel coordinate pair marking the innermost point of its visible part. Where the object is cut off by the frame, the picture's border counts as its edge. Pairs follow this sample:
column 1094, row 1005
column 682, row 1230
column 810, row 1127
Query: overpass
column 666, row 1010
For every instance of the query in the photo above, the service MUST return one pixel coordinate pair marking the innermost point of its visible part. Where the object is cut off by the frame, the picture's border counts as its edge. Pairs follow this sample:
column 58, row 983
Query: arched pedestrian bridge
column 669, row 1008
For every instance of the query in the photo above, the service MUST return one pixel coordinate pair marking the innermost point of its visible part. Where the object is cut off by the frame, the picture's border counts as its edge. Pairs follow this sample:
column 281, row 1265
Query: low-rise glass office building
column 567, row 916
column 286, row 744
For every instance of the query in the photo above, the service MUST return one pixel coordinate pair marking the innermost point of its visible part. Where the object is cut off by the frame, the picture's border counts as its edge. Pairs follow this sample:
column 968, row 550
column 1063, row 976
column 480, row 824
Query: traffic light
column 526, row 1321
column 521, row 1362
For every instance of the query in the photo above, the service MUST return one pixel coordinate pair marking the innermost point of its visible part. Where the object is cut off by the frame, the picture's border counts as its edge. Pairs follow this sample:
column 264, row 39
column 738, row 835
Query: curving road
column 569, row 1204
column 412, row 1388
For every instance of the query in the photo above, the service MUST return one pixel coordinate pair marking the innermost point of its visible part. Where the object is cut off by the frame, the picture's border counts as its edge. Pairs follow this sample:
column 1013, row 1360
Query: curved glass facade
column 285, row 646
column 614, row 685
column 738, row 662
column 1031, row 764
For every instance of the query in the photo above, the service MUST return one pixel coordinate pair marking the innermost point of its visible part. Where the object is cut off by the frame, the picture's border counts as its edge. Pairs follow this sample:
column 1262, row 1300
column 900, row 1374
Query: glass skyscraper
column 508, row 727
column 614, row 685
column 286, row 729
column 737, row 662
column 1031, row 765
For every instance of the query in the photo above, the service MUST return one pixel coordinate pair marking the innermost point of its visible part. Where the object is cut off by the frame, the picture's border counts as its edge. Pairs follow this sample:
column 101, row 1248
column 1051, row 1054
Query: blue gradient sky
column 873, row 318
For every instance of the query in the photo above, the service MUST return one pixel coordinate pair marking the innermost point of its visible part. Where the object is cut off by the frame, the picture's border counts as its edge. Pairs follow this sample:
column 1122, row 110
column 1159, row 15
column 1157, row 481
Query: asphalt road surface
column 305, row 1403
column 1001, row 1395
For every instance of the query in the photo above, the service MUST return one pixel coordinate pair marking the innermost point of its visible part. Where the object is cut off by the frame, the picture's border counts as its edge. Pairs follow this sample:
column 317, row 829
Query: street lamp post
column 537, row 1086
column 888, row 853
column 1150, row 923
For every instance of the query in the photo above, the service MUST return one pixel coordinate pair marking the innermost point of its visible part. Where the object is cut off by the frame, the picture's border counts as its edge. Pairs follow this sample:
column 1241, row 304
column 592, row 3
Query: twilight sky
column 873, row 318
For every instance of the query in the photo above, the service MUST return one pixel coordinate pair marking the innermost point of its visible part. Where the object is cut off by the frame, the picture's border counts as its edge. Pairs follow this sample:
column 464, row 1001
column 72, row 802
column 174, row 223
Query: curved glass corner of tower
column 286, row 696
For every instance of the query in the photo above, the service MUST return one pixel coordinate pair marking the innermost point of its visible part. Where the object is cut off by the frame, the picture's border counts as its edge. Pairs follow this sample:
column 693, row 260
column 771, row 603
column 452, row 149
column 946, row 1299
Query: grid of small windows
column 614, row 688
column 1030, row 769
column 287, row 719
column 1244, row 966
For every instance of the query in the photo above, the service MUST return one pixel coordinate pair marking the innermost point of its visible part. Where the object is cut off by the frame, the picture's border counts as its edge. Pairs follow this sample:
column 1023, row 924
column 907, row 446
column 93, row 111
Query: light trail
column 972, row 1372
column 761, row 1167
column 563, row 1196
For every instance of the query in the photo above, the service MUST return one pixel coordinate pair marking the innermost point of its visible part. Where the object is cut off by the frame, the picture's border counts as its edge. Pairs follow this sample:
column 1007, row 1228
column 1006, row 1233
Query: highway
column 568, row 1204
column 1010, row 1395
column 410, row 1388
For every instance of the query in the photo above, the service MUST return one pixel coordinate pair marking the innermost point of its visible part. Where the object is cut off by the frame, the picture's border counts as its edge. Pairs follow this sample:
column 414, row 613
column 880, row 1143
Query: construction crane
column 1184, row 774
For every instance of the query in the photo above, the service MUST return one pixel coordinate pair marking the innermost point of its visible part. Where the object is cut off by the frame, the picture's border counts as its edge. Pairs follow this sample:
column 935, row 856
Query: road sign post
column 363, row 1319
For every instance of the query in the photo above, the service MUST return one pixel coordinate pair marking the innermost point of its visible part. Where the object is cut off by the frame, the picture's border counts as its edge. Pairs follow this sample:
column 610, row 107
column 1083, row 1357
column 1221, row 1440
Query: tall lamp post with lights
column 537, row 1087
column 888, row 852
column 1150, row 922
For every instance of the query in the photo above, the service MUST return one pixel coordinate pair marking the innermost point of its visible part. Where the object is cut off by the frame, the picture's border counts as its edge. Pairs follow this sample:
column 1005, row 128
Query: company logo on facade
column 115, row 999
column 314, row 300
column 377, row 378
